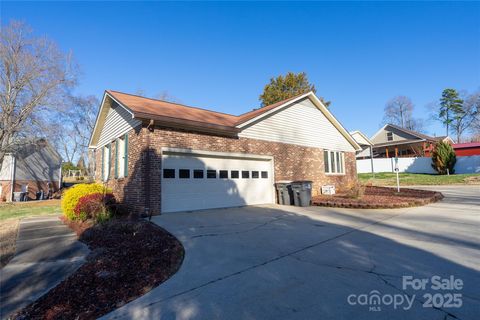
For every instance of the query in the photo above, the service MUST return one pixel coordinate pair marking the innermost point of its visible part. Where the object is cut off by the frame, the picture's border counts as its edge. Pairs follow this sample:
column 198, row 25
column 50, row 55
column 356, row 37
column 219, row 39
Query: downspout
column 147, row 177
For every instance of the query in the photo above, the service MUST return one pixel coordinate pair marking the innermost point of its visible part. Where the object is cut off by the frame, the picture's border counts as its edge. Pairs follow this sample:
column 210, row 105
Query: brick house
column 159, row 156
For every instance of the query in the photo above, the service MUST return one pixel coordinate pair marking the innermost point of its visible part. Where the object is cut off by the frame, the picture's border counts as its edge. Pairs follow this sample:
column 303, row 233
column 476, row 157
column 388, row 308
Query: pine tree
column 450, row 105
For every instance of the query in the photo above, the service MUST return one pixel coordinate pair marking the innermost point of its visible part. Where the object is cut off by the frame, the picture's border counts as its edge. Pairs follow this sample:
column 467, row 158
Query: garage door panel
column 204, row 193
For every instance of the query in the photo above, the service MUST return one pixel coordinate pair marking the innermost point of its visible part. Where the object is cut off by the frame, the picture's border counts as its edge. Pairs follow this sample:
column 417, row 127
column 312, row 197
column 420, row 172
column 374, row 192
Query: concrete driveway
column 281, row 262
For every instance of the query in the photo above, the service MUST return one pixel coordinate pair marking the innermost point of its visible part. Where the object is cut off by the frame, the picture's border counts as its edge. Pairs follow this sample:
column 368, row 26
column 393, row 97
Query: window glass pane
column 389, row 136
column 245, row 174
column 255, row 174
column 338, row 162
column 168, row 173
column 211, row 174
column 343, row 162
column 332, row 158
column 326, row 161
column 234, row 174
column 184, row 173
column 265, row 174
column 223, row 174
column 198, row 174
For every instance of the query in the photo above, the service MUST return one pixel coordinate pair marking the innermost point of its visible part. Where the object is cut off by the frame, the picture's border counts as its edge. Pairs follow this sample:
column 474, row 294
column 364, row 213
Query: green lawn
column 18, row 210
column 389, row 179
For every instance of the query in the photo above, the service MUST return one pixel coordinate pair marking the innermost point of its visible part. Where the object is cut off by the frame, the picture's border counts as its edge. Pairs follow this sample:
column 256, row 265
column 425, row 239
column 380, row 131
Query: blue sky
column 219, row 55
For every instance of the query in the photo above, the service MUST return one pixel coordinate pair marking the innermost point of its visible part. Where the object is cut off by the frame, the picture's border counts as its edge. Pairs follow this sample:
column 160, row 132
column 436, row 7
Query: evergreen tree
column 288, row 86
column 443, row 158
column 450, row 105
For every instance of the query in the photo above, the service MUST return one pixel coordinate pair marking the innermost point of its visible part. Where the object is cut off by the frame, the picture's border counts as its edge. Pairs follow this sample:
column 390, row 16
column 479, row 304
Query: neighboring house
column 467, row 149
column 159, row 156
column 32, row 167
column 393, row 141
column 364, row 143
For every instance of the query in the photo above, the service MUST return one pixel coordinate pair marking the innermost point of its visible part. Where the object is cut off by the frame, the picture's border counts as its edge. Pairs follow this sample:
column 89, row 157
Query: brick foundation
column 132, row 190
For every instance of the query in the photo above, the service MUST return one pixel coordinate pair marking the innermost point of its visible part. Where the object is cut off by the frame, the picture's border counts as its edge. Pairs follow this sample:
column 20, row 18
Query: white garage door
column 200, row 181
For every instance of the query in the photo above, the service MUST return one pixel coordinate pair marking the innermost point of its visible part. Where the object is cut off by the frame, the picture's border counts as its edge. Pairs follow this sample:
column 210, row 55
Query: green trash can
column 284, row 192
column 302, row 193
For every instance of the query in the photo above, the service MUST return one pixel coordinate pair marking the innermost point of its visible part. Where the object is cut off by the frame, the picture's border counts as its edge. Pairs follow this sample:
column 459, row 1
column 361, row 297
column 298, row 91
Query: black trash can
column 284, row 193
column 302, row 193
column 39, row 195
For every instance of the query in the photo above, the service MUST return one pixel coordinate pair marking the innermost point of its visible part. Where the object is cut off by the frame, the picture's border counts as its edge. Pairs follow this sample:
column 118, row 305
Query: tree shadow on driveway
column 289, row 263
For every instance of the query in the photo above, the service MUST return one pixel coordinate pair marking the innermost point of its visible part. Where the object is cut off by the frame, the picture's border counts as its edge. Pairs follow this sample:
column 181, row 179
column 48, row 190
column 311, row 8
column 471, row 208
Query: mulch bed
column 128, row 259
column 379, row 198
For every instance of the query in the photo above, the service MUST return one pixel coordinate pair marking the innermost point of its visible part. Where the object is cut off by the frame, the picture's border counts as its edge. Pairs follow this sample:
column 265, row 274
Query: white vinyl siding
column 118, row 122
column 300, row 124
column 334, row 162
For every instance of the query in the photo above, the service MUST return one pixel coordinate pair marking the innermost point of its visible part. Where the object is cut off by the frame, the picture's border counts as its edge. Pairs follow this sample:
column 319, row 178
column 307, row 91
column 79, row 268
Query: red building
column 467, row 149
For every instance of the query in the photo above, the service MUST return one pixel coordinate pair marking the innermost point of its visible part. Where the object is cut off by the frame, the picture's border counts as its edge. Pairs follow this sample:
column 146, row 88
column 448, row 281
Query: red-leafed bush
column 95, row 206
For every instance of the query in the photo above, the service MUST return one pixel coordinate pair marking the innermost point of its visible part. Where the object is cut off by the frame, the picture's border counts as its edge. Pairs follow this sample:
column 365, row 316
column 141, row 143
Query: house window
column 106, row 163
column 168, row 173
column 334, row 161
column 245, row 174
column 234, row 174
column 223, row 174
column 198, row 174
column 389, row 136
column 121, row 157
column 255, row 174
column 184, row 173
column 211, row 174
column 264, row 174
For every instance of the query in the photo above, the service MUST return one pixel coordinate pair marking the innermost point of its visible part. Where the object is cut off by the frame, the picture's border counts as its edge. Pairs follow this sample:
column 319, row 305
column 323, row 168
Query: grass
column 19, row 210
column 389, row 179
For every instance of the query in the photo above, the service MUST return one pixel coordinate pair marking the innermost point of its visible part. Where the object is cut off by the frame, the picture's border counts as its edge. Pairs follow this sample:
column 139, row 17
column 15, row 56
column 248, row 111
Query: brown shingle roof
column 148, row 108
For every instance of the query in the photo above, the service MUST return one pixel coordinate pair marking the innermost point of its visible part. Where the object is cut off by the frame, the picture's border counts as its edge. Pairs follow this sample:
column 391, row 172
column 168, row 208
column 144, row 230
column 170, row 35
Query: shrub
column 443, row 158
column 73, row 194
column 356, row 190
column 95, row 206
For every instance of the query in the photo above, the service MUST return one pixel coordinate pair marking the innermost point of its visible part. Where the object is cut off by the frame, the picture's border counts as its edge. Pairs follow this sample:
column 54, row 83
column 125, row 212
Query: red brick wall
column 292, row 162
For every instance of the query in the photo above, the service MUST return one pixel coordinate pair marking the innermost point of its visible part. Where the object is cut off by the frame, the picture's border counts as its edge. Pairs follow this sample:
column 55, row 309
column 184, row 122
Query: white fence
column 469, row 164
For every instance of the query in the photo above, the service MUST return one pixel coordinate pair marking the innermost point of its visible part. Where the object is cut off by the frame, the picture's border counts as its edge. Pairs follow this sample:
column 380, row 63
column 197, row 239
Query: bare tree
column 34, row 77
column 166, row 96
column 70, row 129
column 399, row 111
